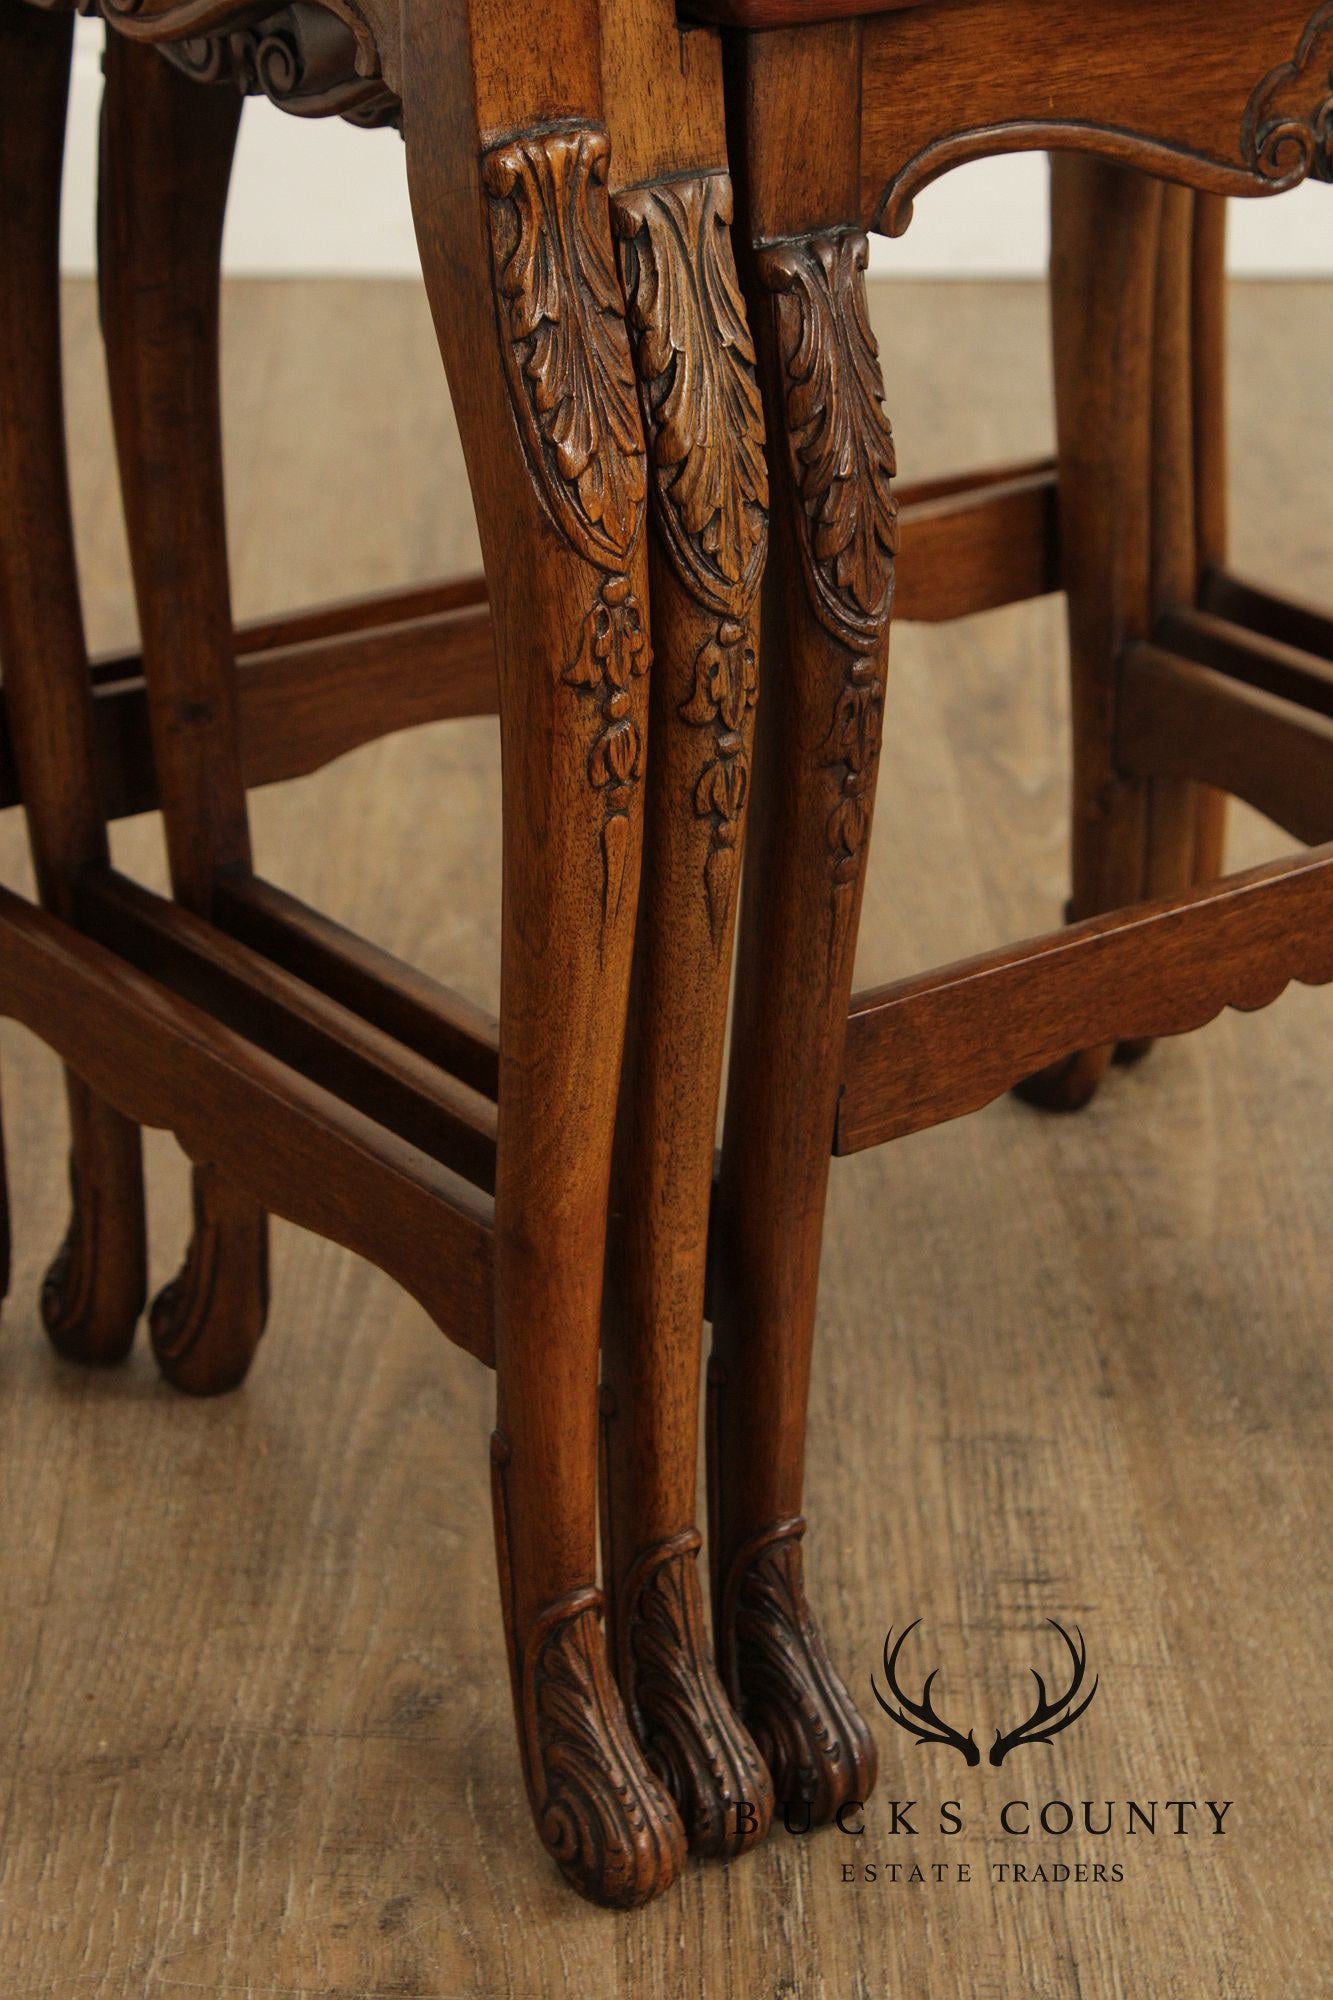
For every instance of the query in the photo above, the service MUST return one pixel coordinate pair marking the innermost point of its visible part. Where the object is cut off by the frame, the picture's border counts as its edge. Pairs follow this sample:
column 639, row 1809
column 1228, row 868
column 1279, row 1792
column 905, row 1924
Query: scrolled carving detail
column 777, row 1668
column 601, row 1814
column 1287, row 134
column 839, row 442
column 316, row 61
column 680, row 1714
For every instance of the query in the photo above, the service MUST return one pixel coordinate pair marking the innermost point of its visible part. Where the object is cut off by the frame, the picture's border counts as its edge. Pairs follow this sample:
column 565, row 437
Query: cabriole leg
column 94, row 1291
column 517, row 254
column 167, row 145
column 1105, row 232
column 827, row 598
column 708, row 536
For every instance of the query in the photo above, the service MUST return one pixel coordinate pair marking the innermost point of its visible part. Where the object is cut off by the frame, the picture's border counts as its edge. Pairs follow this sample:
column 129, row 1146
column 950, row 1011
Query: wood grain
column 253, row 1739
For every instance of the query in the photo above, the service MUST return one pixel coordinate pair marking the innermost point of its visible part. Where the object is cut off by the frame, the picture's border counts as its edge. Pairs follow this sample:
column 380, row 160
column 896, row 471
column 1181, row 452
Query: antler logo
column 920, row 1719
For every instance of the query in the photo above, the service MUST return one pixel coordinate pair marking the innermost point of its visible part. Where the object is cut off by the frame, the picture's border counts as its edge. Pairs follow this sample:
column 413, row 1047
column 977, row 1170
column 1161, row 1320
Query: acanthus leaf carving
column 565, row 347
column 839, row 442
column 704, row 419
column 602, row 1815
column 841, row 459
column 696, row 370
column 689, row 1731
column 1287, row 132
column 789, row 1693
column 571, row 382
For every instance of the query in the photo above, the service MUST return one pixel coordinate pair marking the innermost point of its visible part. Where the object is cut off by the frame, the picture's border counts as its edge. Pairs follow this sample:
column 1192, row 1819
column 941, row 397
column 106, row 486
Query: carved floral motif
column 1287, row 134
column 726, row 688
column 704, row 419
column 571, row 381
column 851, row 748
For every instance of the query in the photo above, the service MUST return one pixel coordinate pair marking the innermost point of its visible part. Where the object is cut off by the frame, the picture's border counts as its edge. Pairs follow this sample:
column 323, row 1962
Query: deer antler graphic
column 918, row 1718
column 1048, row 1718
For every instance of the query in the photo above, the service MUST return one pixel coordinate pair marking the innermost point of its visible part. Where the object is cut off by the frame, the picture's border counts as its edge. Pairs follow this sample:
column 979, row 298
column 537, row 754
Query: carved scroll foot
column 94, row 1291
column 817, row 1747
column 600, row 1812
column 205, row 1324
column 602, row 1816
column 692, row 1736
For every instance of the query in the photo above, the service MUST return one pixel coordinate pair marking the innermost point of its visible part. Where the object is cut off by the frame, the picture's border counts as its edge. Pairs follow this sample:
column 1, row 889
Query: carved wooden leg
column 1185, row 827
column 1208, row 375
column 1104, row 257
column 708, row 537
column 515, row 241
column 94, row 1291
column 167, row 146
column 827, row 598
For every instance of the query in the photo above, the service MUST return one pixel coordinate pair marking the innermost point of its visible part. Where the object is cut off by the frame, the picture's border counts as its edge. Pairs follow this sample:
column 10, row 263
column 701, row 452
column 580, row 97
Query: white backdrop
column 315, row 196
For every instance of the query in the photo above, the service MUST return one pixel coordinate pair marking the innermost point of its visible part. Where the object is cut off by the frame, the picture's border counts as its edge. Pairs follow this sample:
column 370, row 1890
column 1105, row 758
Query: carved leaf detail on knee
column 841, row 462
column 839, row 443
column 701, row 403
column 571, row 382
column 704, row 418
column 565, row 348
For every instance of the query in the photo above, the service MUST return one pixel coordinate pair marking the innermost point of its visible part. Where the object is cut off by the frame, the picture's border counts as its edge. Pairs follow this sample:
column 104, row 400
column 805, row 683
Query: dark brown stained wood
column 1246, row 655
column 787, row 13
column 1106, row 242
column 307, row 1156
column 1209, row 425
column 320, row 683
column 965, row 81
column 370, row 609
column 1173, row 804
column 164, row 169
column 93, row 1291
column 508, row 166
column 936, row 1047
column 415, row 1009
column 972, row 547
column 1180, row 720
column 826, row 601
column 303, row 700
column 1281, row 619
column 296, row 1022
column 303, row 705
